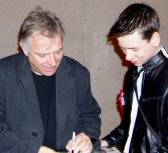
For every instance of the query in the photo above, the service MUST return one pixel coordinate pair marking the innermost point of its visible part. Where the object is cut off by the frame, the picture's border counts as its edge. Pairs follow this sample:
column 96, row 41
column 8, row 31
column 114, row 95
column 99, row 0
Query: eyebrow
column 49, row 53
column 58, row 49
column 129, row 48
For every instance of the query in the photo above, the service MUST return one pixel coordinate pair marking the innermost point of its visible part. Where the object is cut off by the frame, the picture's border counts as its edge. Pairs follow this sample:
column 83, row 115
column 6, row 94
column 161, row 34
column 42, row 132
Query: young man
column 44, row 95
column 144, row 128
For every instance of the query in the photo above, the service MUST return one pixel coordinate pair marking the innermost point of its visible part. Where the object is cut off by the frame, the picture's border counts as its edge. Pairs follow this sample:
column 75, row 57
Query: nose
column 52, row 60
column 128, row 55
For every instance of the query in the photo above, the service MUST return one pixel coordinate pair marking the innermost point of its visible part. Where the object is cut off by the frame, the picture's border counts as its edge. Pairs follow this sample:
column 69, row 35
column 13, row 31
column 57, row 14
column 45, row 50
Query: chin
column 49, row 73
column 138, row 65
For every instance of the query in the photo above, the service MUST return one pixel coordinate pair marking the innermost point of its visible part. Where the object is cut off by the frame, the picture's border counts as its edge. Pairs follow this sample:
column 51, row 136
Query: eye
column 42, row 55
column 135, row 49
column 58, row 52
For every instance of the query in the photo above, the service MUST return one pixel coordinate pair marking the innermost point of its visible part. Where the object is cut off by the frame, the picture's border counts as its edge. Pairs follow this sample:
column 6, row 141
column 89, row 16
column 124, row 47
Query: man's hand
column 104, row 143
column 82, row 143
column 44, row 149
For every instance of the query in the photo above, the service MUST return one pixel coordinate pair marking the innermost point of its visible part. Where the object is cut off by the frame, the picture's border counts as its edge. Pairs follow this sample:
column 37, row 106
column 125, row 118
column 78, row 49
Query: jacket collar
column 152, row 62
column 29, row 87
column 64, row 67
column 155, row 60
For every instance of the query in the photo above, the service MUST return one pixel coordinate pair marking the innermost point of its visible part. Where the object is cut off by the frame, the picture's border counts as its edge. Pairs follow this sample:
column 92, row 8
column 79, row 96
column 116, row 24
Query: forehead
column 131, row 40
column 38, row 38
column 42, row 43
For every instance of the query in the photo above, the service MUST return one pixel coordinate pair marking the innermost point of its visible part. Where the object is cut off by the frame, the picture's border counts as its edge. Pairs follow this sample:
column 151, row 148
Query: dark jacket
column 21, row 127
column 154, row 103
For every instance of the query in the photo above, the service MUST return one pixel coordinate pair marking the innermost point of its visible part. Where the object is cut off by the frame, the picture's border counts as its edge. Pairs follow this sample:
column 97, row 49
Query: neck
column 35, row 72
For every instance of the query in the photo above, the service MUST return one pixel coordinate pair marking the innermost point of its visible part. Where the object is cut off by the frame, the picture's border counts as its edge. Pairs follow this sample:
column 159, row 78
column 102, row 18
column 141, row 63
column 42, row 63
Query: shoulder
column 161, row 71
column 11, row 64
column 164, row 66
column 131, row 69
column 75, row 66
column 130, row 72
column 15, row 58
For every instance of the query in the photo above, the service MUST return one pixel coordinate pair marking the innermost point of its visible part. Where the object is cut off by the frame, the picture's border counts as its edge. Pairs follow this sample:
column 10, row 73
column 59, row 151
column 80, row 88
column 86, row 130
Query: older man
column 44, row 95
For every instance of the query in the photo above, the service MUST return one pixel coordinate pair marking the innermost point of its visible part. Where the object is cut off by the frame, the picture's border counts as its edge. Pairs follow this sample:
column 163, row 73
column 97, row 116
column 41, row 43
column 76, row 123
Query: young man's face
column 44, row 54
column 137, row 50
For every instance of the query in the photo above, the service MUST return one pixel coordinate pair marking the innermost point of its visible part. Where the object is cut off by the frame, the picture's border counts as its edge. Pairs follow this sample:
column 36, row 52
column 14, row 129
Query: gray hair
column 42, row 21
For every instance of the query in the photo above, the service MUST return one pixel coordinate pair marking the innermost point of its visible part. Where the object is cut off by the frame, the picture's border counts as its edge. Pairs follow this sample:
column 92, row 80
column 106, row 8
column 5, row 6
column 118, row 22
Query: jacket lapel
column 29, row 87
column 64, row 86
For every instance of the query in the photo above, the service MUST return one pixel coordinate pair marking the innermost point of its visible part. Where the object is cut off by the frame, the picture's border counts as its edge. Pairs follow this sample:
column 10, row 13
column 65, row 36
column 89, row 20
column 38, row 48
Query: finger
column 83, row 143
column 69, row 145
column 104, row 143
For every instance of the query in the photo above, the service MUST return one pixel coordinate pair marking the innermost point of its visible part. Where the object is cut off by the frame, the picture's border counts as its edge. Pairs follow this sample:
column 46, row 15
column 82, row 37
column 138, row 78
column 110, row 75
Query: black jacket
column 154, row 103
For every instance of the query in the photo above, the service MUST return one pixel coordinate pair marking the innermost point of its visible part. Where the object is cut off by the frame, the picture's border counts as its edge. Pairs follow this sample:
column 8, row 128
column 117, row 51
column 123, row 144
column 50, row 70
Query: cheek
column 39, row 61
column 141, row 53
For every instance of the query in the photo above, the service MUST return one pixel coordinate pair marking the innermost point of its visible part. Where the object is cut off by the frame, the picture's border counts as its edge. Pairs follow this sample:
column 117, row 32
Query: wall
column 87, row 23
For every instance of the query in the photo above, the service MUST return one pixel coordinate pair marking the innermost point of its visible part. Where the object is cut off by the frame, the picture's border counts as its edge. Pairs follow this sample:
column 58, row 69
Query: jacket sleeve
column 118, row 136
column 115, row 137
column 89, row 111
column 9, row 142
column 164, row 147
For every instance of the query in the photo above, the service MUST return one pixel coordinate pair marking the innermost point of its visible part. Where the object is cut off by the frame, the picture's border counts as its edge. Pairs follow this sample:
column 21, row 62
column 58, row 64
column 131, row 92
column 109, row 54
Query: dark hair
column 44, row 22
column 136, row 16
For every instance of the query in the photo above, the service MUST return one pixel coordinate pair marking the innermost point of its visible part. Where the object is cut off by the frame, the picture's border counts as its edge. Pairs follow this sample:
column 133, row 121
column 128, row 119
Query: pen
column 73, row 141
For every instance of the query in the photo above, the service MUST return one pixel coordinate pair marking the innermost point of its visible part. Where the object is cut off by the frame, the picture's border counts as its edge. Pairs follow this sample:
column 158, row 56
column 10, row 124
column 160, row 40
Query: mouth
column 50, row 69
column 134, row 62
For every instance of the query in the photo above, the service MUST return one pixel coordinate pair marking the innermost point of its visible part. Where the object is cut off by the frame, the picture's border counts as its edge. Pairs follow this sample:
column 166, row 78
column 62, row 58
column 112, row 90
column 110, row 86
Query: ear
column 156, row 39
column 25, row 51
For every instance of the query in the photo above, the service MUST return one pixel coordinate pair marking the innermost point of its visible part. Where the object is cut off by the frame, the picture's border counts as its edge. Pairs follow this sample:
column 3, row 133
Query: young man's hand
column 104, row 143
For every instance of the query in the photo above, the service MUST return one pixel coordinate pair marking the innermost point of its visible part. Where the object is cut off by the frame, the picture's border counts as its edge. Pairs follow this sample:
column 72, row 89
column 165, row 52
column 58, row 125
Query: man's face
column 44, row 54
column 137, row 50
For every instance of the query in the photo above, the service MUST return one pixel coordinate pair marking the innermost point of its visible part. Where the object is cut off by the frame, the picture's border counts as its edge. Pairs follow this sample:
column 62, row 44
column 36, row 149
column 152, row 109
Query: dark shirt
column 45, row 87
